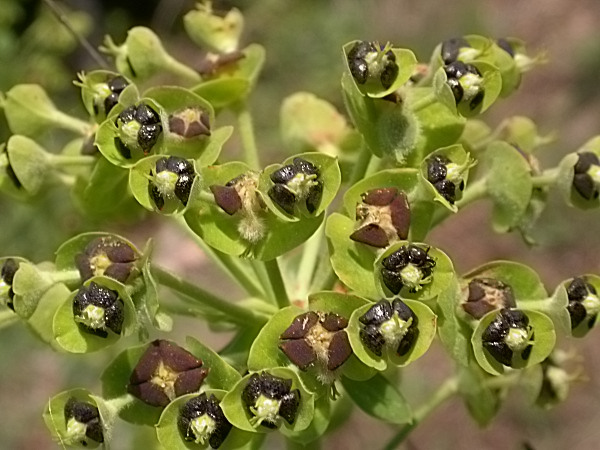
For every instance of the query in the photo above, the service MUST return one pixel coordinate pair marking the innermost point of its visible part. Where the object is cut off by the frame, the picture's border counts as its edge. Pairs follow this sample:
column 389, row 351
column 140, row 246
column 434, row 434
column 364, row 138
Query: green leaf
column 482, row 401
column 30, row 112
column 439, row 126
column 308, row 123
column 380, row 399
column 29, row 161
column 544, row 338
column 508, row 183
column 40, row 322
column 106, row 193
column 29, row 285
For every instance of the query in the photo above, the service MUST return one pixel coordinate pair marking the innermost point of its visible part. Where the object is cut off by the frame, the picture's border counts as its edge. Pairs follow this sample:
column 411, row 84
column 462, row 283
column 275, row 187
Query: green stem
column 246, row 129
column 236, row 313
column 72, row 160
column 233, row 267
column 547, row 178
column 473, row 192
column 444, row 392
column 67, row 122
column 182, row 71
column 263, row 278
column 66, row 276
column 310, row 254
column 277, row 283
column 423, row 103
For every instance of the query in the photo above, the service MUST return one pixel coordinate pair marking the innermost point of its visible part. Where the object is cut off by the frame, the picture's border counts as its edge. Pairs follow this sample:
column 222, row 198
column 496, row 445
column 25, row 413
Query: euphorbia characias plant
column 330, row 242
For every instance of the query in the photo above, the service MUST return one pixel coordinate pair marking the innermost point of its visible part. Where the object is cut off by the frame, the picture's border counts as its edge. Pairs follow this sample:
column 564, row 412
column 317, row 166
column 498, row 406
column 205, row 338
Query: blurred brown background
column 303, row 41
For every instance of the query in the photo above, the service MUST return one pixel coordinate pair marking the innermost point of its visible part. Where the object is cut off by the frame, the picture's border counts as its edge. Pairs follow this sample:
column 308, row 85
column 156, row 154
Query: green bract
column 231, row 82
column 219, row 33
column 541, row 339
column 404, row 60
column 74, row 339
column 252, row 230
column 241, row 417
column 425, row 324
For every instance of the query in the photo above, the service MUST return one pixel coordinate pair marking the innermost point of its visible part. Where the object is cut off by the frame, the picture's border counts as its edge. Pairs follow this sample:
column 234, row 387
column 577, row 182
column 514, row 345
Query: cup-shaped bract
column 220, row 32
column 583, row 303
column 269, row 399
column 396, row 331
column 100, row 92
column 131, row 133
column 95, row 316
column 166, row 184
column 446, row 171
column 412, row 270
column 76, row 418
column 513, row 338
column 579, row 175
column 378, row 70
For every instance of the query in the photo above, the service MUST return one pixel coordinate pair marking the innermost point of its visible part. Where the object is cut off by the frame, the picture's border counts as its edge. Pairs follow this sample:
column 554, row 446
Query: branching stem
column 277, row 283
column 246, row 129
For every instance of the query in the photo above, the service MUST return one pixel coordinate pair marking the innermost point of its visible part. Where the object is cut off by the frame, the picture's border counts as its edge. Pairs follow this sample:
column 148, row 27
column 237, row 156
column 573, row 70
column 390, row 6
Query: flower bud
column 221, row 33
column 384, row 216
column 410, row 266
column 270, row 399
column 201, row 420
column 296, row 184
column 165, row 371
column 97, row 309
column 83, row 422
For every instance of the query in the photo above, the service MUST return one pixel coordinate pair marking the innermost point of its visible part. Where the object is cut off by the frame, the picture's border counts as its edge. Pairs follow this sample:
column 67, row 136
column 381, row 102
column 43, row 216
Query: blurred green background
column 303, row 40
